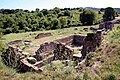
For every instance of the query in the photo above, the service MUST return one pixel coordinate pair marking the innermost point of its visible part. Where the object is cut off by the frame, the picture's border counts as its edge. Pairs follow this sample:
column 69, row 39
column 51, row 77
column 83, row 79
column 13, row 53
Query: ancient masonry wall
column 49, row 51
column 12, row 58
column 58, row 49
column 49, row 47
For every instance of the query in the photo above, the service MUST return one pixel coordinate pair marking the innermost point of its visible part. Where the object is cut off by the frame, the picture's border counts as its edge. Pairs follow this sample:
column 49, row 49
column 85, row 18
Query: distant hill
column 97, row 9
column 92, row 8
column 118, row 9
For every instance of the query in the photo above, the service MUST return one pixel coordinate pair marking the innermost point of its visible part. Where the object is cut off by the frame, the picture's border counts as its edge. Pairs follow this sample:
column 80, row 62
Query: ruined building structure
column 59, row 49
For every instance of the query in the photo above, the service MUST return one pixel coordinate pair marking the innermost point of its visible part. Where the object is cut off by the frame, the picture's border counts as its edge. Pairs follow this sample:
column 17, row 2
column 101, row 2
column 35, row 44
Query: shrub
column 111, row 77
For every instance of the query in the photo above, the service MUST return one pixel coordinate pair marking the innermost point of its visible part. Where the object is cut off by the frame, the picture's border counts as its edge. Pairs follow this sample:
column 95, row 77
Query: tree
column 109, row 14
column 102, row 9
column 63, row 22
column 55, row 24
column 37, row 9
column 40, row 14
column 56, row 10
column 66, row 13
column 45, row 12
column 88, row 17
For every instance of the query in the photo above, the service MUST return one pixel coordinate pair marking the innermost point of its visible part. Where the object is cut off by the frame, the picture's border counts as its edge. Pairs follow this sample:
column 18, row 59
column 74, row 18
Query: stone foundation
column 59, row 49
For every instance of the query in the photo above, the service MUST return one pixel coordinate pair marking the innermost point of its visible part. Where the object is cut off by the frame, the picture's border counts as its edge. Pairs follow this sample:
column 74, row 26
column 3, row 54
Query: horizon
column 50, row 4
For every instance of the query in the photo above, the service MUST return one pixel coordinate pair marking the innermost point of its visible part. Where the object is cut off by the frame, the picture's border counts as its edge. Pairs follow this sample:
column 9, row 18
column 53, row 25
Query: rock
column 41, row 35
column 20, row 50
column 22, row 47
column 32, row 60
column 67, row 62
column 15, row 42
column 25, row 53
column 93, row 29
column 105, row 33
column 75, row 28
column 79, row 55
column 27, row 42
column 85, row 29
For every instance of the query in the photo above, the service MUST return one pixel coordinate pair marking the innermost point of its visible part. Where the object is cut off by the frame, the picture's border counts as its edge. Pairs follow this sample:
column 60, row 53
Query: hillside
column 97, row 9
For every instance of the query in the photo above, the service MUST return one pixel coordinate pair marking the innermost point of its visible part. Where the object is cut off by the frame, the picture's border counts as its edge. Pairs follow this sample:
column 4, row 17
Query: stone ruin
column 91, row 41
column 42, row 35
column 59, row 49
column 108, row 25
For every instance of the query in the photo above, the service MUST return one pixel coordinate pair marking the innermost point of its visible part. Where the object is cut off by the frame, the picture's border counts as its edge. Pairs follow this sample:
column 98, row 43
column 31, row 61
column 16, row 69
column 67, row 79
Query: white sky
column 48, row 4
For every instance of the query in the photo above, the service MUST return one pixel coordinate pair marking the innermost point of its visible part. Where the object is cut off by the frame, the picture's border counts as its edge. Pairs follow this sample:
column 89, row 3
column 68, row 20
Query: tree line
column 19, row 20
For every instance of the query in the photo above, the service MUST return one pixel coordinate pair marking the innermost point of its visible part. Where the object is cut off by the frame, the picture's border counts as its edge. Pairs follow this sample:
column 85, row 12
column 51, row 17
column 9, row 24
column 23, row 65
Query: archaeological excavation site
column 27, row 55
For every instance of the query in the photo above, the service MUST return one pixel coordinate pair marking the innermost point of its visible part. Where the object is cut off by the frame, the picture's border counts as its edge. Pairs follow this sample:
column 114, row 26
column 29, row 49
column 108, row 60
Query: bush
column 111, row 77
column 88, row 17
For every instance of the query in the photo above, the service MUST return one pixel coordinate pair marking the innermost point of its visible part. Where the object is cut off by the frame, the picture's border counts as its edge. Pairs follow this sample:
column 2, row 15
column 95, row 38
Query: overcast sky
column 49, row 4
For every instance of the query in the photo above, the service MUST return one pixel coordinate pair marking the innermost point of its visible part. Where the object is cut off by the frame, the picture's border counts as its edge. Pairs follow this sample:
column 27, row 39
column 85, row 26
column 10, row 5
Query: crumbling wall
column 67, row 40
column 90, row 43
column 15, row 58
column 45, row 50
column 12, row 57
column 78, row 40
column 19, row 41
column 62, row 52
column 107, row 25
column 60, row 44
column 56, row 48
column 95, row 29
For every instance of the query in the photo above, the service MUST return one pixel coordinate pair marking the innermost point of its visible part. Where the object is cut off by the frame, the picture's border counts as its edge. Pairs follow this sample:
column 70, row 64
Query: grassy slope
column 58, row 32
column 109, row 56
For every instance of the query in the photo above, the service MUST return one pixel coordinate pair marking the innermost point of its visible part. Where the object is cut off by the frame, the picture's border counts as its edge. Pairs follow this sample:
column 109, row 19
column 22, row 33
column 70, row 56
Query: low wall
column 68, row 40
column 78, row 40
column 41, row 35
column 107, row 25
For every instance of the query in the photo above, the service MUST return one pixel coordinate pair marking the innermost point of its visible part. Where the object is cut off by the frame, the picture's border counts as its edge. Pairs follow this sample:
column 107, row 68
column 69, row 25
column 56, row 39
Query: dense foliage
column 88, row 17
column 18, row 20
column 109, row 14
